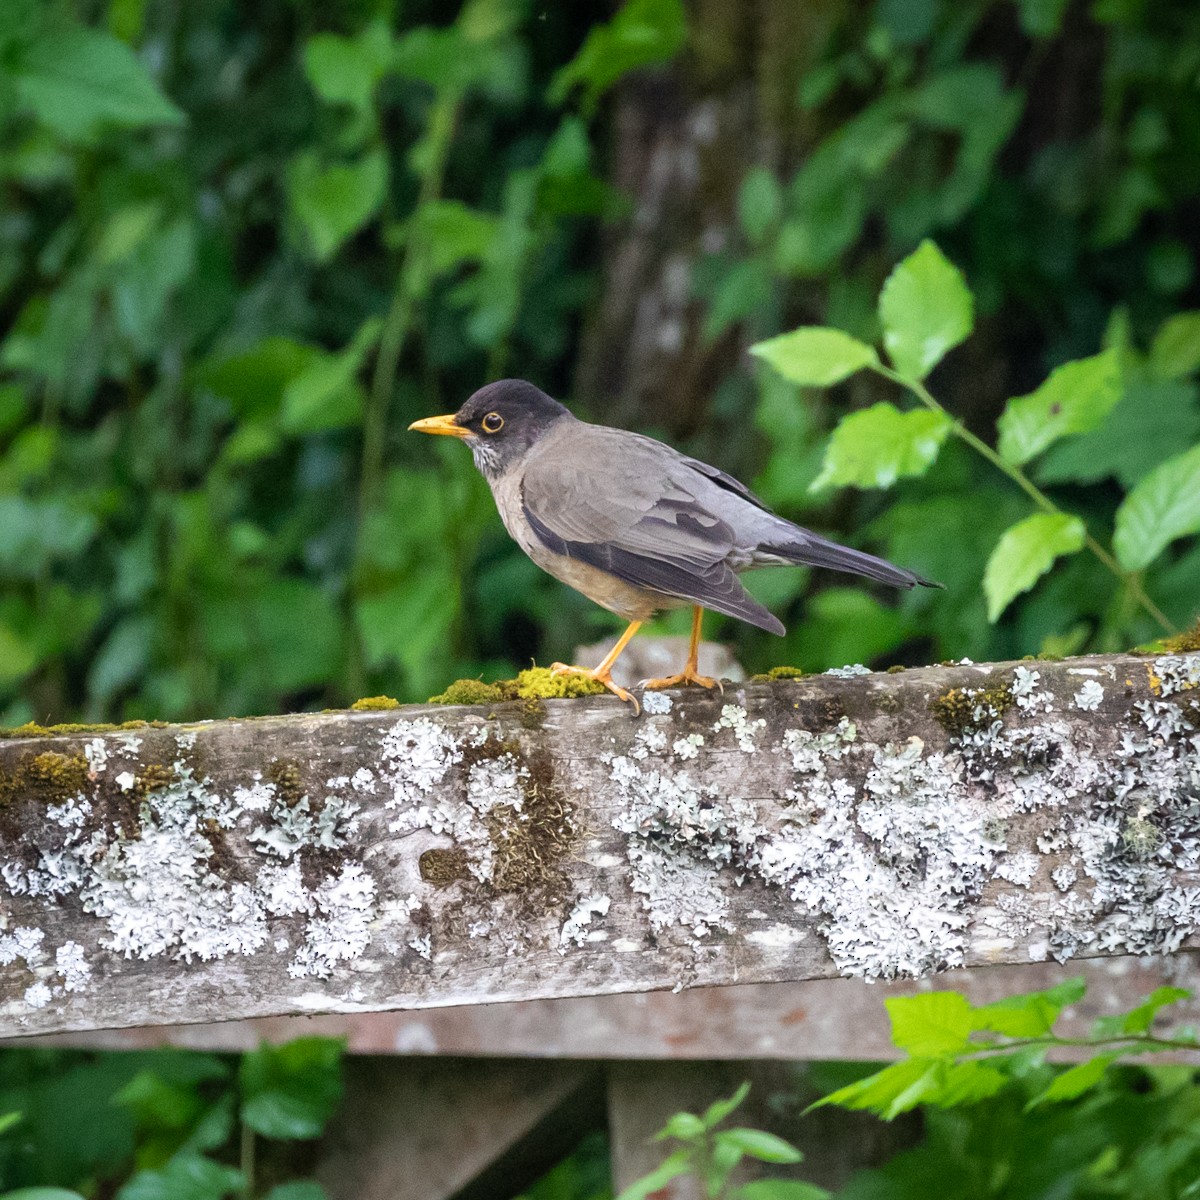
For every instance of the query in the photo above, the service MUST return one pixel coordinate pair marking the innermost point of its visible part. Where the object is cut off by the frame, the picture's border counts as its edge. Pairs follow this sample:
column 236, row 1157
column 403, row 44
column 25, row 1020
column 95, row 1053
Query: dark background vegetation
column 245, row 245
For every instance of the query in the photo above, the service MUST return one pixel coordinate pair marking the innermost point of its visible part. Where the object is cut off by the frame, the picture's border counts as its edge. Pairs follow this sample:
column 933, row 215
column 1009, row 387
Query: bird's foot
column 601, row 677
column 689, row 674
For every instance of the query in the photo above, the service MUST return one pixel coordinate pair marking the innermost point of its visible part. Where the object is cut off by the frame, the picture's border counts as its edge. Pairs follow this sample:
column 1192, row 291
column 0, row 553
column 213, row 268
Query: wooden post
column 879, row 825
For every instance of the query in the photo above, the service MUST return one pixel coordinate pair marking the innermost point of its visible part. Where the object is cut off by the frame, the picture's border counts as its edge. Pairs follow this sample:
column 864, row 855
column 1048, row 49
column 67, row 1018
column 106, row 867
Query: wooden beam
column 880, row 825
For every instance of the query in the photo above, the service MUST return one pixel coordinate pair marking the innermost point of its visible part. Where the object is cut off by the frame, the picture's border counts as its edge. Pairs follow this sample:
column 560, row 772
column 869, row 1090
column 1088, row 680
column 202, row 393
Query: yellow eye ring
column 493, row 423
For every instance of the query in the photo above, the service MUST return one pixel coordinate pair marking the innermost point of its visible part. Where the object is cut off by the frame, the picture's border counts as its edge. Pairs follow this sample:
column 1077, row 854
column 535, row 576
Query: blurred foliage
column 164, row 1124
column 245, row 245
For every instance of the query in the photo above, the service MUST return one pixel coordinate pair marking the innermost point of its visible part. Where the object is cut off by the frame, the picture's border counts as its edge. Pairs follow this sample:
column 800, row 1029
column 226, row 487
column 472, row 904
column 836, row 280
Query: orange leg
column 690, row 672
column 602, row 673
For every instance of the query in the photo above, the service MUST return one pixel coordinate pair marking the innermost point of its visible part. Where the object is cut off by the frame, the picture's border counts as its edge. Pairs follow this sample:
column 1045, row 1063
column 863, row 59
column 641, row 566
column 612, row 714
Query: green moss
column 471, row 691
column 32, row 729
column 542, row 684
column 154, row 777
column 48, row 777
column 289, row 785
column 1183, row 643
column 778, row 673
column 896, row 670
column 374, row 704
column 532, row 686
column 443, row 867
column 967, row 710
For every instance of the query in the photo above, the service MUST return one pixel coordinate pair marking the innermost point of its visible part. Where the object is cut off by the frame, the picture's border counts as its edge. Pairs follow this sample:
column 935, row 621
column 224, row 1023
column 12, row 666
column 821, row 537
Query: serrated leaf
column 757, row 1143
column 1164, row 506
column 965, row 1083
column 815, row 356
column 1074, row 1081
column 930, row 1023
column 926, row 309
column 1075, row 398
column 878, row 445
column 1025, row 552
column 1139, row 1019
column 1175, row 351
column 878, row 1093
column 1031, row 1014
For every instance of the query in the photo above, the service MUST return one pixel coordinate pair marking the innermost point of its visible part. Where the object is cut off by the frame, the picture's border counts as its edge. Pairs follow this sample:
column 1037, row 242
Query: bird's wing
column 633, row 507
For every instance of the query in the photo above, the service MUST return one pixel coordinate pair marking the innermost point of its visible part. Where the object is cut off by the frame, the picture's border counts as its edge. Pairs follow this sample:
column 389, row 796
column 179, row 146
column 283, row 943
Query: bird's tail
column 811, row 550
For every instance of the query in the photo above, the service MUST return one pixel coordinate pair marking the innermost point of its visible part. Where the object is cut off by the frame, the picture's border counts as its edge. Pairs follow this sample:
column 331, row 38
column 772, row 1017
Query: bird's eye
column 493, row 423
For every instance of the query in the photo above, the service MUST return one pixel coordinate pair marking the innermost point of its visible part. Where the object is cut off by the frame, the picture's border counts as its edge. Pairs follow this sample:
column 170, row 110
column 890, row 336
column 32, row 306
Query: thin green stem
column 1128, row 578
column 247, row 1159
column 397, row 323
column 1052, row 1042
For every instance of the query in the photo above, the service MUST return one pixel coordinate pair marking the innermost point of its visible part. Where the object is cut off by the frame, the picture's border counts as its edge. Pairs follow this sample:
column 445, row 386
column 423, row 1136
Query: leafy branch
column 960, row 1053
column 926, row 310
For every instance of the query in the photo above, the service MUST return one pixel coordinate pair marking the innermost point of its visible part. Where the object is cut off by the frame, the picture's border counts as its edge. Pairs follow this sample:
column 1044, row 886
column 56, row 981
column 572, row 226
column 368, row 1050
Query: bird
column 632, row 523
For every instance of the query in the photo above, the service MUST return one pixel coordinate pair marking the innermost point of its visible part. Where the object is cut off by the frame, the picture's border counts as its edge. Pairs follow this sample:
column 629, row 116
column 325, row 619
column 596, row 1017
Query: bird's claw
column 686, row 676
column 601, row 677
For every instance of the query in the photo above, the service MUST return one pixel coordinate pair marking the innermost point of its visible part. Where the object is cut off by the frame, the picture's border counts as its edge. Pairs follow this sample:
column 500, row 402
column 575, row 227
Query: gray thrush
column 631, row 523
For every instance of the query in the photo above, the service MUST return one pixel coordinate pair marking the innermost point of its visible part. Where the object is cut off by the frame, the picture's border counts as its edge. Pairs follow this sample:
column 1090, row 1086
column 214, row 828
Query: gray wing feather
column 632, row 506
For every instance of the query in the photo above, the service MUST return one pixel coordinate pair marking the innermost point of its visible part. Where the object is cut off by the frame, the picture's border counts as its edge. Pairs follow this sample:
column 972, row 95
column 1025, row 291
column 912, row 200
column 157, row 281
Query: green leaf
column 157, row 1104
column 815, row 356
column 332, row 202
column 930, row 1023
column 1139, row 1019
column 254, row 380
column 18, row 655
column 670, row 1168
column 450, row 234
column 290, row 1091
column 81, row 79
column 325, row 395
column 1025, row 552
column 346, row 70
column 876, row 446
column 684, row 1126
column 1153, row 420
column 901, row 1082
column 300, row 1189
column 1175, row 351
column 756, row 1143
column 185, row 1177
column 642, row 33
column 760, row 204
column 1164, row 506
column 926, row 310
column 41, row 1193
column 780, row 1189
column 1031, row 1014
column 1073, row 1082
column 716, row 1112
column 1075, row 398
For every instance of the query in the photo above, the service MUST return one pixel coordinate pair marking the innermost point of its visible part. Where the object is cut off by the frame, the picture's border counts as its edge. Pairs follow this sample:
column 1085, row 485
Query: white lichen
column 656, row 703
column 1089, row 696
column 575, row 927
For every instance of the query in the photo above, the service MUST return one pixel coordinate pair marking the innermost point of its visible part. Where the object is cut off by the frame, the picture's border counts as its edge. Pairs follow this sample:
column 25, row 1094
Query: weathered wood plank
column 879, row 825
column 813, row 1019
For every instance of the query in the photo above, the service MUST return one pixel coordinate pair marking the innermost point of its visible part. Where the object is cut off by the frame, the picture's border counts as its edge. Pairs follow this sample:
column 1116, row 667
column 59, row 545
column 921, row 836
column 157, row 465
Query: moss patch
column 289, row 785
column 443, row 867
column 778, row 673
column 374, row 704
column 1183, row 643
column 536, row 683
column 967, row 710
column 154, row 777
column 32, row 729
column 48, row 777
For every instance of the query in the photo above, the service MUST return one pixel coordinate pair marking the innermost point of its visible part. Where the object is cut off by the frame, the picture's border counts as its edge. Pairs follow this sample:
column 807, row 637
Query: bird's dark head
column 500, row 422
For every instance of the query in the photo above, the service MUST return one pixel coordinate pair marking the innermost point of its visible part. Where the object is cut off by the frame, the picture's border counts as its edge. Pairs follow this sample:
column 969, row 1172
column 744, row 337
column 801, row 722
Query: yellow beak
column 446, row 425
